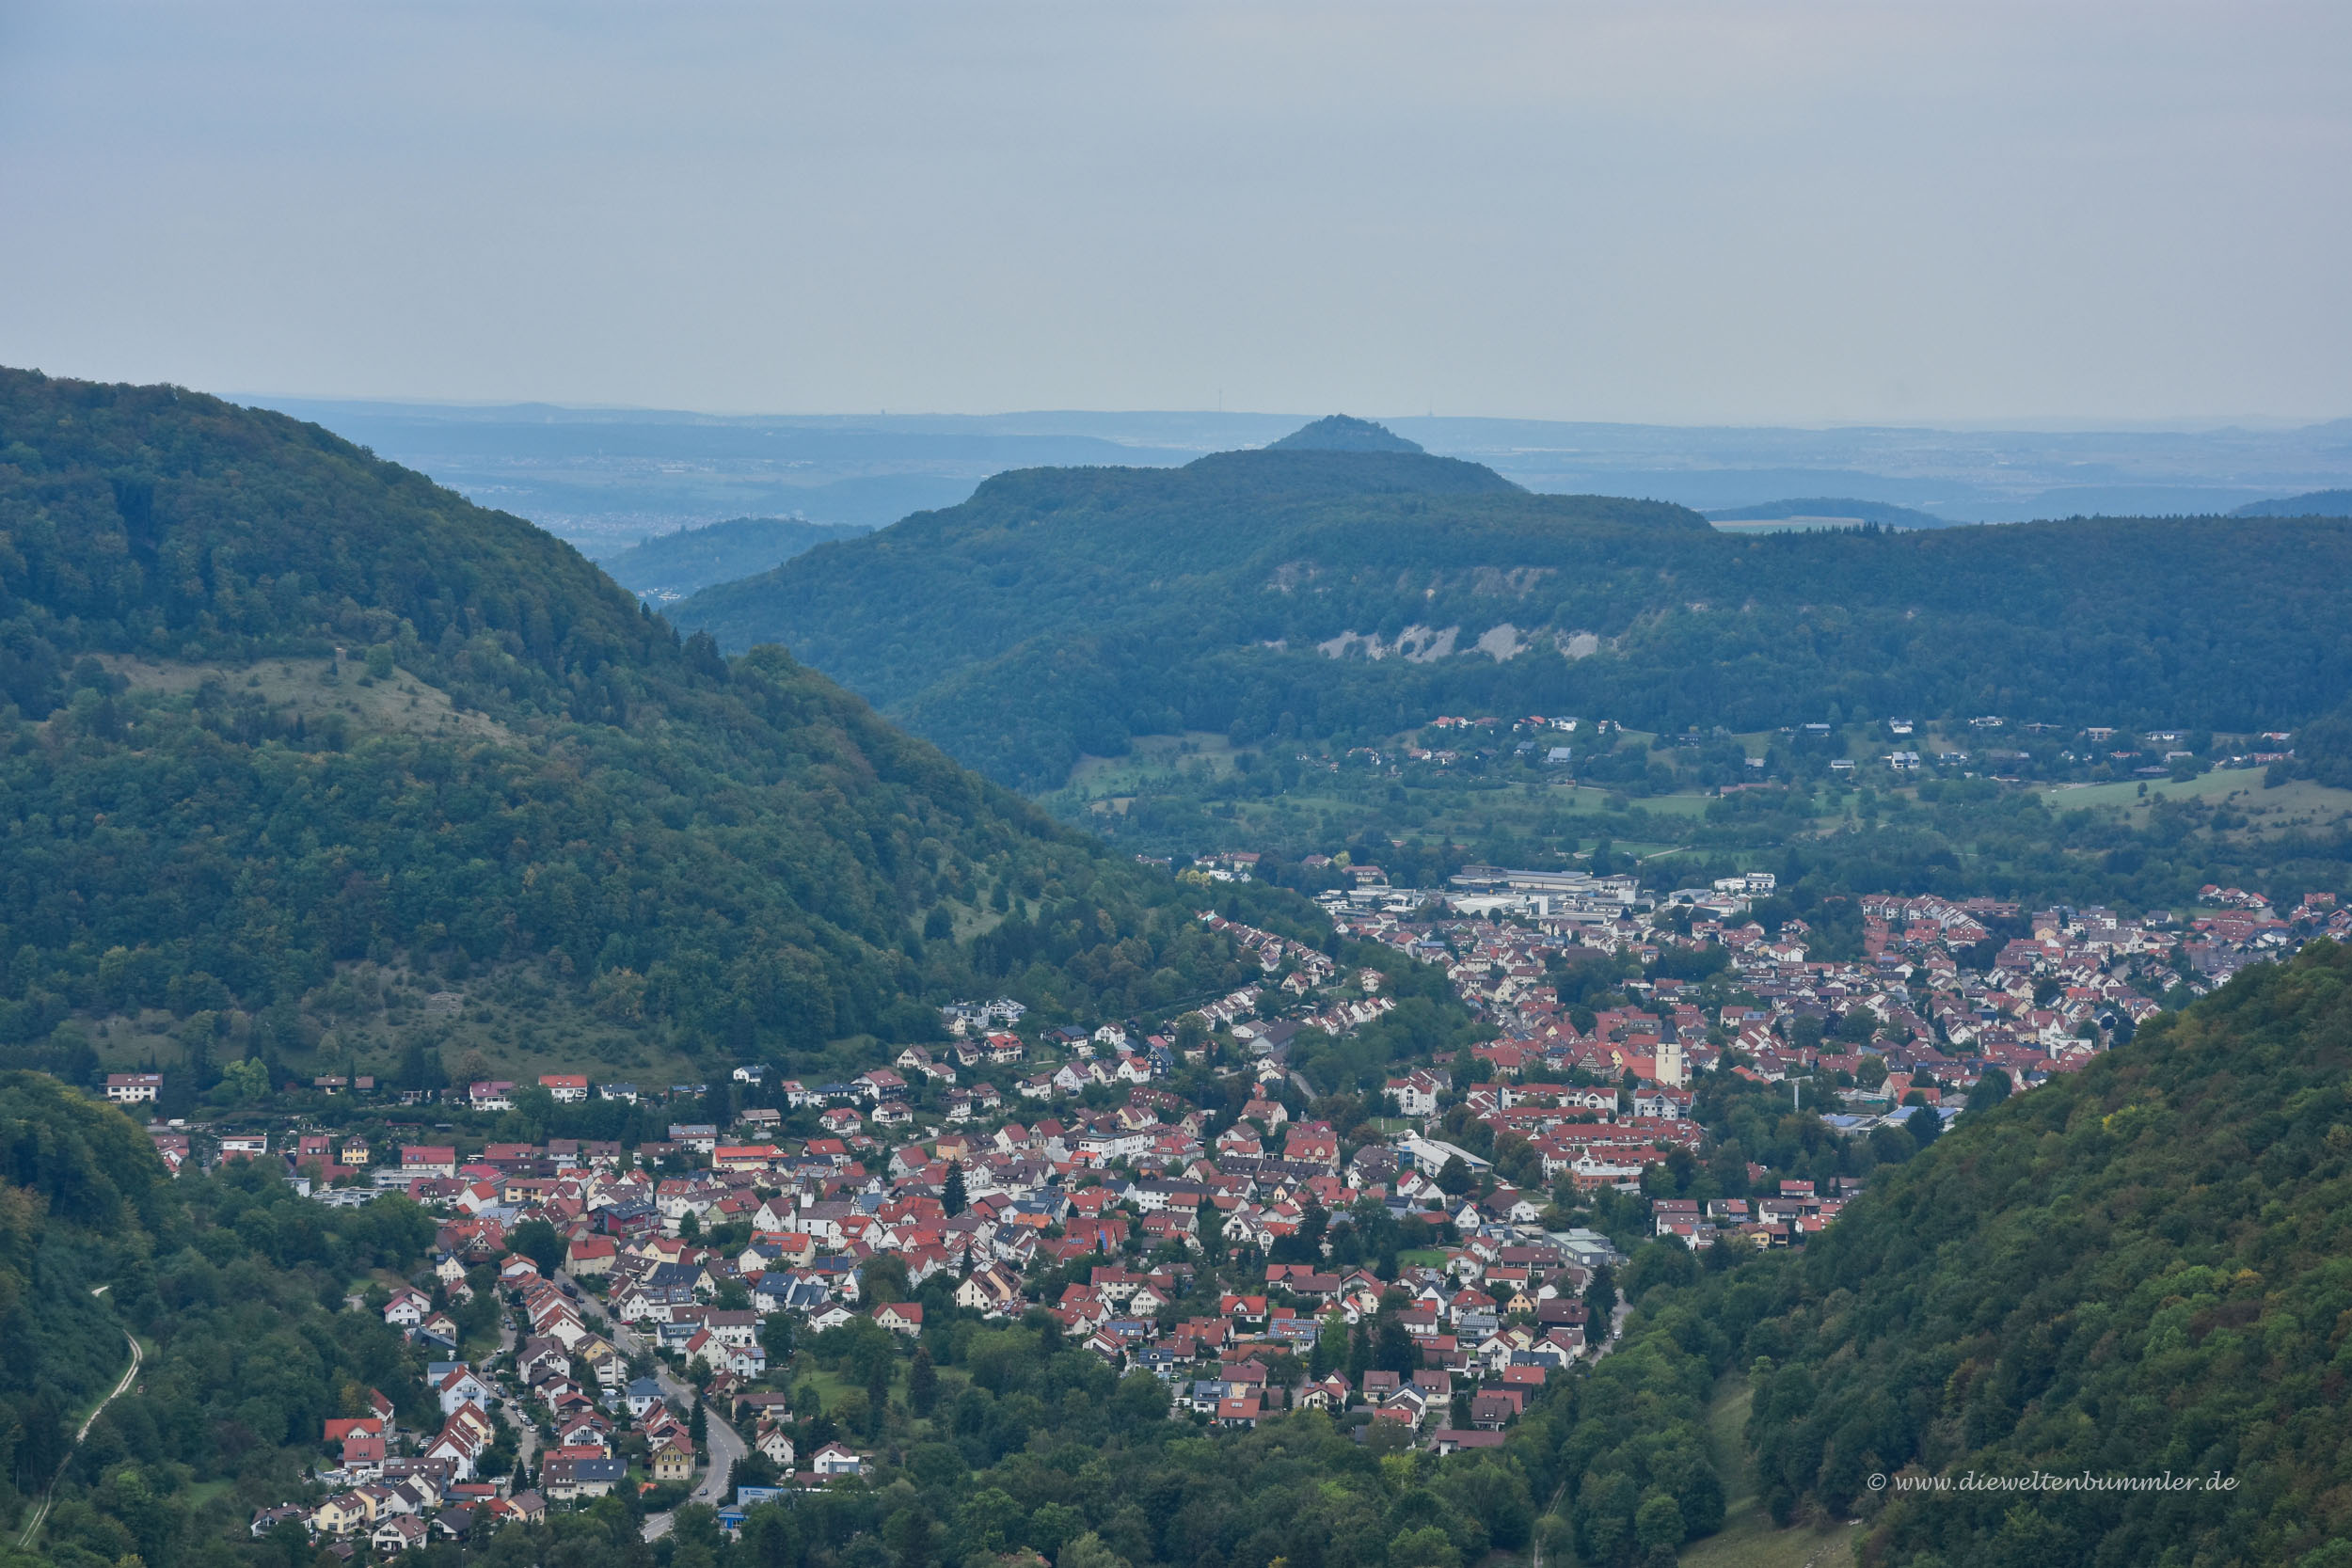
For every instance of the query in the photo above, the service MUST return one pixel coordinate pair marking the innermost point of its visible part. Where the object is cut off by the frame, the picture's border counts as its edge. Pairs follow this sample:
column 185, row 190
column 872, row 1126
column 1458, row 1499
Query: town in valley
column 646, row 1314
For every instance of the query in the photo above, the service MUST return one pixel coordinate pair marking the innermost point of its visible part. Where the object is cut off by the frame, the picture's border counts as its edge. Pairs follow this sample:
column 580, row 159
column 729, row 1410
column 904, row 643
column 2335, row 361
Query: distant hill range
column 605, row 478
column 2317, row 503
column 1824, row 511
column 672, row 565
column 1341, row 583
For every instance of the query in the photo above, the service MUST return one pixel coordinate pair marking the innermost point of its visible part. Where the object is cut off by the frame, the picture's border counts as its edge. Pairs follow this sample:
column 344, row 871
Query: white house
column 835, row 1460
column 776, row 1444
column 1416, row 1093
column 400, row 1533
column 132, row 1089
column 565, row 1088
column 460, row 1388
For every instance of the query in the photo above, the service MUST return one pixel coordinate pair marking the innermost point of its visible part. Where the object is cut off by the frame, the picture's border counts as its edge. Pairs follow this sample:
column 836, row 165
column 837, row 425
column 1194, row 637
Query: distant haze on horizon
column 1709, row 214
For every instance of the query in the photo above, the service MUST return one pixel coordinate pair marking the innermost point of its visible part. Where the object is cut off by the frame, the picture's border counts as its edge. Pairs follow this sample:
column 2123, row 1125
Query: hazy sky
column 1665, row 211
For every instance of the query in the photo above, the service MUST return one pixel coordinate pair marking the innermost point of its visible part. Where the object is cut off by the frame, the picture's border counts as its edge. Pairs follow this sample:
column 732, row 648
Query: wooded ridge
column 1321, row 593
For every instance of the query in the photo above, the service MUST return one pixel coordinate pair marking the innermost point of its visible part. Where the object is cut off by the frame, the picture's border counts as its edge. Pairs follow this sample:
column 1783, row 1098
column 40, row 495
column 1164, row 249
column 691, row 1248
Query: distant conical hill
column 1060, row 610
column 1341, row 432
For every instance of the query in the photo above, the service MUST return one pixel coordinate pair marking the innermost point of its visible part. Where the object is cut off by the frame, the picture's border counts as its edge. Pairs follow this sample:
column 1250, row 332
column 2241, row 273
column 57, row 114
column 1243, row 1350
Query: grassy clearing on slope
column 2298, row 805
column 318, row 688
column 1154, row 756
column 1749, row 1538
column 1464, row 814
column 521, row 1021
column 2301, row 805
column 2218, row 784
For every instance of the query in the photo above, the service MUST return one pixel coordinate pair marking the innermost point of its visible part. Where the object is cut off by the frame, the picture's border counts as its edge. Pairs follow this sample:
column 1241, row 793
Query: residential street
column 1616, row 1328
column 725, row 1447
column 526, row 1434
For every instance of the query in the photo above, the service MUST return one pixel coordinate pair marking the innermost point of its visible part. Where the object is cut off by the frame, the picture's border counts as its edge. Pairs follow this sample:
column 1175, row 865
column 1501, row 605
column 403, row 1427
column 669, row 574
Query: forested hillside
column 77, row 1181
column 283, row 721
column 1330, row 593
column 232, row 1283
column 2142, row 1268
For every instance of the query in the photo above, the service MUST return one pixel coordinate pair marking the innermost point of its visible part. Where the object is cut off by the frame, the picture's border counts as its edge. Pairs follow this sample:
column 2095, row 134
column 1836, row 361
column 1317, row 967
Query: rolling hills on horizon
column 1884, row 513
column 605, row 478
column 2318, row 503
column 1061, row 613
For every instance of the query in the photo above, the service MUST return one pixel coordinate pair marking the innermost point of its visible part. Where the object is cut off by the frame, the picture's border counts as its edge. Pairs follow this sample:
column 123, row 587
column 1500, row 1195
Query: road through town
column 725, row 1446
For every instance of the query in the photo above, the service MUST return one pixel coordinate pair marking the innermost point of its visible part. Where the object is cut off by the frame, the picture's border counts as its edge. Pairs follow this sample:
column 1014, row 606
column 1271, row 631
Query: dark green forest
column 2143, row 1267
column 1063, row 611
column 737, row 858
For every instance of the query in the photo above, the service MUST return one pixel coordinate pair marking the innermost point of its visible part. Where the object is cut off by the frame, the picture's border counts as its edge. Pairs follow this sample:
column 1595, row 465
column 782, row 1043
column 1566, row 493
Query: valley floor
column 2133, row 843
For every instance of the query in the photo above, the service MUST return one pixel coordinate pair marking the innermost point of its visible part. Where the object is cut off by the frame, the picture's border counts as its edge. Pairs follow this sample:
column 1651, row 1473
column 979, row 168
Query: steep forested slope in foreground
column 1324, row 592
column 233, row 1284
column 73, row 1178
column 271, row 709
column 2144, row 1268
